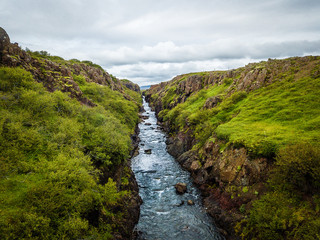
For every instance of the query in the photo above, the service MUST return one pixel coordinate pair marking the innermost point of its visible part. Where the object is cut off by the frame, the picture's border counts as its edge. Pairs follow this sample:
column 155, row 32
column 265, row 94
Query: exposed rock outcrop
column 181, row 188
column 212, row 102
column 4, row 41
column 130, row 85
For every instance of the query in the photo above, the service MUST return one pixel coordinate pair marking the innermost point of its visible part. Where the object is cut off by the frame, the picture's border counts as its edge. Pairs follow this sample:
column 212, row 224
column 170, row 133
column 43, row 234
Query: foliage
column 292, row 209
column 278, row 216
column 298, row 169
column 91, row 64
column 114, row 102
column 52, row 149
column 44, row 55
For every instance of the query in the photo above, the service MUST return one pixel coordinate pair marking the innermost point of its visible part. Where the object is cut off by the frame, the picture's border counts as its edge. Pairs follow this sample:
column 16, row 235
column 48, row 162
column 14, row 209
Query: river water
column 164, row 214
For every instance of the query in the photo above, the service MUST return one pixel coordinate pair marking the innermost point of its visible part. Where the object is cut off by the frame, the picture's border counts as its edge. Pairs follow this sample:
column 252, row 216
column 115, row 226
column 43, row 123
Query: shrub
column 279, row 216
column 298, row 169
column 51, row 147
column 292, row 209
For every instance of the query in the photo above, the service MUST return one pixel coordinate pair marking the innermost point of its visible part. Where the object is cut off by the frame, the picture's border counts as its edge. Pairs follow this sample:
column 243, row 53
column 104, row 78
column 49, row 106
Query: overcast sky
column 149, row 41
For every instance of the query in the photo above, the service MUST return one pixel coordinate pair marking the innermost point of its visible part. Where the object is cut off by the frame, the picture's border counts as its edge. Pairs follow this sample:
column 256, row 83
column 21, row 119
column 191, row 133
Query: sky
column 151, row 41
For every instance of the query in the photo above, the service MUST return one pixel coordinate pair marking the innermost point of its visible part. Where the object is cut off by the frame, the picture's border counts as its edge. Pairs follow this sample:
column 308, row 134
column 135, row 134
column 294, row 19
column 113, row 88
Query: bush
column 278, row 216
column 292, row 209
column 51, row 149
column 298, row 169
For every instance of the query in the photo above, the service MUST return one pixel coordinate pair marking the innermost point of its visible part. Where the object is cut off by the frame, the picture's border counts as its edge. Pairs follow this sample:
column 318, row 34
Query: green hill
column 250, row 137
column 65, row 129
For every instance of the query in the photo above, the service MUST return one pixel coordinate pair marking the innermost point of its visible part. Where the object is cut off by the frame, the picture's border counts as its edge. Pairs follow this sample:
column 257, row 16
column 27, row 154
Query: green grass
column 282, row 113
column 263, row 121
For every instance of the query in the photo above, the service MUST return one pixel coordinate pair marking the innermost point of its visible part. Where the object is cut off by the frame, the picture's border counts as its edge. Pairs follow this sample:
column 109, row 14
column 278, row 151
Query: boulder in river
column 190, row 202
column 181, row 188
column 147, row 151
column 148, row 124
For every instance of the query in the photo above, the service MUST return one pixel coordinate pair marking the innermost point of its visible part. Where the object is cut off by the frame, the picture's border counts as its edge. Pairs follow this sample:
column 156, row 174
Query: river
column 164, row 214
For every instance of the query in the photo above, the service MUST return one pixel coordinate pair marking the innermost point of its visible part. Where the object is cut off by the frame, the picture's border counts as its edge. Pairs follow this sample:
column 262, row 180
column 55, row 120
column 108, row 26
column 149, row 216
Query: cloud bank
column 149, row 41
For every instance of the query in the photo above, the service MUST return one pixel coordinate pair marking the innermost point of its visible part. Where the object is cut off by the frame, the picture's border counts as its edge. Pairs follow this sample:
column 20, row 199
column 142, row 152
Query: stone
column 4, row 39
column 148, row 124
column 181, row 188
column 190, row 85
column 147, row 151
column 195, row 165
column 211, row 102
column 190, row 202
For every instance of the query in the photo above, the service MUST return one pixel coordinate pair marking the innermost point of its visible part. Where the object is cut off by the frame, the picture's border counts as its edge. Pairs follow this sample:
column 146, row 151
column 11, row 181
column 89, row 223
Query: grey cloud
column 150, row 41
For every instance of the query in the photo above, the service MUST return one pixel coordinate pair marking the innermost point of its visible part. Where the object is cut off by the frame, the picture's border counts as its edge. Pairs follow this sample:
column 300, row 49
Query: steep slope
column 234, row 130
column 67, row 129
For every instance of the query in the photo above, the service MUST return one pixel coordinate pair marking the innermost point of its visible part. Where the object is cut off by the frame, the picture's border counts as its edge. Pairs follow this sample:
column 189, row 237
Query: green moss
column 245, row 189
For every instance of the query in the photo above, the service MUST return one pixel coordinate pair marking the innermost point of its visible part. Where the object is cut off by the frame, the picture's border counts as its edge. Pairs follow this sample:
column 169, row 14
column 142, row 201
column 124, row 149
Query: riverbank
column 179, row 148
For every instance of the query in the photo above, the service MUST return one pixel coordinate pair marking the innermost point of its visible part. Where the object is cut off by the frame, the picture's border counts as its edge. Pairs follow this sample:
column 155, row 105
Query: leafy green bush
column 298, row 169
column 279, row 216
column 292, row 209
column 114, row 102
column 169, row 97
column 91, row 64
column 51, row 150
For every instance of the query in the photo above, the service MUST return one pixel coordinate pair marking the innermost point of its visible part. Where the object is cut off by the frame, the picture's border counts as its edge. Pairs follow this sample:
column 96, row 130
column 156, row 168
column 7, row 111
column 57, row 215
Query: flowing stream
column 164, row 214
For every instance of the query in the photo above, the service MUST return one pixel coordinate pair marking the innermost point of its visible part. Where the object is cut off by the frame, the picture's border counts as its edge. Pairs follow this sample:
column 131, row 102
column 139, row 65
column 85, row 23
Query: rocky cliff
column 221, row 128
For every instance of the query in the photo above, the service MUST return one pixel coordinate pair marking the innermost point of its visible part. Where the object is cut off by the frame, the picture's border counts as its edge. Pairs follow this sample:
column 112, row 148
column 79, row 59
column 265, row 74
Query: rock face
column 4, row 41
column 212, row 102
column 130, row 85
column 181, row 188
column 192, row 84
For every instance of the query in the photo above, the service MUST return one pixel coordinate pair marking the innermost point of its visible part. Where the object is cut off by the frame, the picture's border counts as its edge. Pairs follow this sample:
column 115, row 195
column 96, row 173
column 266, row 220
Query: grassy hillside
column 263, row 121
column 60, row 158
column 271, row 111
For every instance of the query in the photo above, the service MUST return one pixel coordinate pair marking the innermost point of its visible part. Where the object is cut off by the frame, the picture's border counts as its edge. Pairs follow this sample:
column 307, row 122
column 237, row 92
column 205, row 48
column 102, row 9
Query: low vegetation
column 263, row 121
column 291, row 209
column 53, row 151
